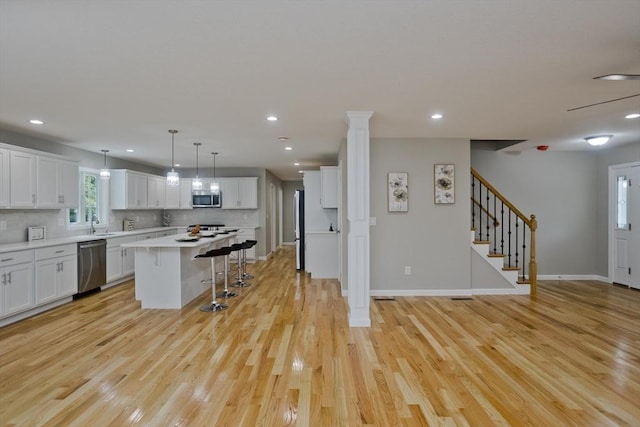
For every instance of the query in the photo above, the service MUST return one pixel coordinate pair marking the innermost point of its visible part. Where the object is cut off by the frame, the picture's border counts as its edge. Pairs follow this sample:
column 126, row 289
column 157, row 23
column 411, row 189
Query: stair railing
column 496, row 220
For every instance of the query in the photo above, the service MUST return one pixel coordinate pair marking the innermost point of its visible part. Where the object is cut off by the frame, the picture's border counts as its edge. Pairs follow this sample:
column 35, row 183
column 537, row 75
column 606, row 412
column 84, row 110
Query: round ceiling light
column 272, row 118
column 632, row 116
column 288, row 148
column 36, row 122
column 437, row 116
column 598, row 140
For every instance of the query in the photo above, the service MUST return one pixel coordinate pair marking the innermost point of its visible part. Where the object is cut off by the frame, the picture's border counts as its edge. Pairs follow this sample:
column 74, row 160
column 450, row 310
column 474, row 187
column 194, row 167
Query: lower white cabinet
column 56, row 273
column 16, row 273
column 321, row 250
column 120, row 261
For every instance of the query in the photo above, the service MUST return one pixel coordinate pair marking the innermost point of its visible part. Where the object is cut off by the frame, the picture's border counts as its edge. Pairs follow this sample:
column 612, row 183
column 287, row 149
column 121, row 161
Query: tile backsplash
column 14, row 223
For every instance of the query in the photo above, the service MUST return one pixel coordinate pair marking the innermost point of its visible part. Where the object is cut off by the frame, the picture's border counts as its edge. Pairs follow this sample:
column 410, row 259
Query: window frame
column 102, row 201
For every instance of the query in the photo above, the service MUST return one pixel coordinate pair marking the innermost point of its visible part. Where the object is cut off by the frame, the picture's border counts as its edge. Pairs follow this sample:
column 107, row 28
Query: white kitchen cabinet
column 239, row 193
column 22, row 180
column 56, row 183
column 56, row 273
column 128, row 190
column 322, row 255
column 4, row 178
column 156, row 192
column 329, row 186
column 120, row 261
column 179, row 197
column 16, row 273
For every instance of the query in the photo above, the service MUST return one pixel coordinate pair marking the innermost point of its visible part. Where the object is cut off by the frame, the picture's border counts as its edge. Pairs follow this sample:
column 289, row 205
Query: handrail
column 531, row 222
column 501, row 197
column 477, row 203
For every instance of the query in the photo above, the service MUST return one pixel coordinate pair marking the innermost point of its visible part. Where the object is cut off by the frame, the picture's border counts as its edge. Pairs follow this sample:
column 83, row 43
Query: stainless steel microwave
column 205, row 199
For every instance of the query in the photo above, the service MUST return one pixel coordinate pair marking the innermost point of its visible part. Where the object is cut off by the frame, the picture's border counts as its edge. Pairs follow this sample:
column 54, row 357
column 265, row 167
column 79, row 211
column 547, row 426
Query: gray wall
column 567, row 191
column 289, row 188
column 615, row 156
column 434, row 240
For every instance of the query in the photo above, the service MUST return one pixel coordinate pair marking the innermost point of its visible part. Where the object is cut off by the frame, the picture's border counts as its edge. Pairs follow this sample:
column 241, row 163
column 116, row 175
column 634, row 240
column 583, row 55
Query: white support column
column 358, row 216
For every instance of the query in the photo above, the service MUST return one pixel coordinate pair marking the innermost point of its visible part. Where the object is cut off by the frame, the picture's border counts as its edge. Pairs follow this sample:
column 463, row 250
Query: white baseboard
column 520, row 290
column 288, row 243
column 573, row 277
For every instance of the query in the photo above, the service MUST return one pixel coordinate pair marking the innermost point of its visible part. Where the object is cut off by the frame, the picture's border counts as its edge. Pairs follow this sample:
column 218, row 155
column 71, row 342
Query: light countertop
column 173, row 241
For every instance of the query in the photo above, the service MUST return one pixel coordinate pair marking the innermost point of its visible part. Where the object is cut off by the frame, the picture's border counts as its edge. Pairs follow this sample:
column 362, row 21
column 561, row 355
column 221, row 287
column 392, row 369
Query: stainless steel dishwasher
column 92, row 265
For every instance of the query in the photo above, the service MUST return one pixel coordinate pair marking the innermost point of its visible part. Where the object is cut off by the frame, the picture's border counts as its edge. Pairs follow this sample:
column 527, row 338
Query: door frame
column 612, row 212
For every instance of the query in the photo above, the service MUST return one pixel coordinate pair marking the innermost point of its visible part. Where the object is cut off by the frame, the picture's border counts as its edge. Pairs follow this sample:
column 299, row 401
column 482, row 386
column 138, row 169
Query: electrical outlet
column 372, row 220
column 407, row 270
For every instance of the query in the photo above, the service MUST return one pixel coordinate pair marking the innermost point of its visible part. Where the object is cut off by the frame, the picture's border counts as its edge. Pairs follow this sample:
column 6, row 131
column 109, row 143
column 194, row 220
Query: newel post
column 533, row 266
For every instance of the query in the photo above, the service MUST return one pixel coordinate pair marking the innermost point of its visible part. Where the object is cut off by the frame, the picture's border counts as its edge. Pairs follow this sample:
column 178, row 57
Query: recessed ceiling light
column 296, row 163
column 36, row 122
column 283, row 138
column 300, row 171
column 437, row 116
column 288, row 148
column 598, row 140
column 632, row 116
column 272, row 118
column 129, row 150
column 177, row 165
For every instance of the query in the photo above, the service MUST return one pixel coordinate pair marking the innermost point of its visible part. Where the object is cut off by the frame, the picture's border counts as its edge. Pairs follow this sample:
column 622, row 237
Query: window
column 622, row 185
column 92, row 201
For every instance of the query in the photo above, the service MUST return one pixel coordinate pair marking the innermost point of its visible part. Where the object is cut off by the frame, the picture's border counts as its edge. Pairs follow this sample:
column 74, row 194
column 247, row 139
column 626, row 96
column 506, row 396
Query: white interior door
column 625, row 209
column 274, row 218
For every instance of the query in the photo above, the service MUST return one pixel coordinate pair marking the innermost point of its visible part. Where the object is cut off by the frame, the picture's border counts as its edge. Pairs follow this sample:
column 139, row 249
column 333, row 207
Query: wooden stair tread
column 523, row 282
column 496, row 255
column 510, row 268
column 481, row 242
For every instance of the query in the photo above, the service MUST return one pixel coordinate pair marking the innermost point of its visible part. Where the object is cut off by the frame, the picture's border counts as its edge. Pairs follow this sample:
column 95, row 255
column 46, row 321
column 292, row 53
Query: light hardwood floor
column 284, row 355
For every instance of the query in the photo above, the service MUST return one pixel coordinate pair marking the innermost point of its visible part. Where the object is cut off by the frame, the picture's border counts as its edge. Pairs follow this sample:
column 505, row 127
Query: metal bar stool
column 249, row 244
column 240, row 279
column 226, row 293
column 212, row 254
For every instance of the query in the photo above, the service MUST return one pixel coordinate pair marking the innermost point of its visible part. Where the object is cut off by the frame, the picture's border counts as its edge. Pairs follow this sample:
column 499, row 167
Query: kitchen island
column 167, row 274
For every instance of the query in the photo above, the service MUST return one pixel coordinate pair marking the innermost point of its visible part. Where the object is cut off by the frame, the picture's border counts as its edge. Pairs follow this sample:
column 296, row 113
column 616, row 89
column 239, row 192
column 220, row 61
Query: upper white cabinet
column 57, row 183
column 156, row 192
column 179, row 197
column 239, row 193
column 128, row 190
column 4, row 178
column 329, row 186
column 22, row 180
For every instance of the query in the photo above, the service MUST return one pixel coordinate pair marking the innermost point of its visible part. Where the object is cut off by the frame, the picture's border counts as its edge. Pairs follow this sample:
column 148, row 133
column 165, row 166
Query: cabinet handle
column 8, row 277
column 62, row 266
column 57, row 267
column 60, row 251
column 4, row 279
column 7, row 259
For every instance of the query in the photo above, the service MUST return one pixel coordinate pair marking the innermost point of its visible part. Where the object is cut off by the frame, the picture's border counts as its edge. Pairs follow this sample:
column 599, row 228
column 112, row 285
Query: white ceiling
column 119, row 74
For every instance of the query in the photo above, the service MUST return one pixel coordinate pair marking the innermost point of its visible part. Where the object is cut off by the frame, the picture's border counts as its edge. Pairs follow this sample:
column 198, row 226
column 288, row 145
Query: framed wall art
column 398, row 191
column 444, row 183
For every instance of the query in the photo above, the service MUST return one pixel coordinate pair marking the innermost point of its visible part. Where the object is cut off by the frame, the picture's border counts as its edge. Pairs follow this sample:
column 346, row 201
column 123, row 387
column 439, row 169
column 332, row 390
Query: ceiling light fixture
column 104, row 172
column 632, row 116
column 598, row 140
column 129, row 150
column 288, row 148
column 215, row 187
column 36, row 122
column 272, row 118
column 283, row 138
column 173, row 179
column 196, row 184
column 437, row 116
column 296, row 163
column 618, row 77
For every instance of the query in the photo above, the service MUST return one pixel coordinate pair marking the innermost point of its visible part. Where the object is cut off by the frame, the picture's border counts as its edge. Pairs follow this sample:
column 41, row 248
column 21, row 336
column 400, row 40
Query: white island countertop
column 182, row 240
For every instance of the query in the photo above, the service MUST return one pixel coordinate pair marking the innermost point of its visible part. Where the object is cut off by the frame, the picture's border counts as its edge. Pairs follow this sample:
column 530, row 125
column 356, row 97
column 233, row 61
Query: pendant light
column 196, row 184
column 173, row 179
column 104, row 172
column 215, row 187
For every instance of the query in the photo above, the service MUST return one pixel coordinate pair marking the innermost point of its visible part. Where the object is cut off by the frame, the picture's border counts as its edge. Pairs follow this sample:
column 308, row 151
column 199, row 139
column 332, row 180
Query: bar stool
column 240, row 279
column 249, row 244
column 226, row 293
column 213, row 254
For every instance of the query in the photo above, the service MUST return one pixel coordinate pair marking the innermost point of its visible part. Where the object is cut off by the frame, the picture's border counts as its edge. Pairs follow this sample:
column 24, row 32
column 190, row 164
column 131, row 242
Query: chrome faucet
column 94, row 220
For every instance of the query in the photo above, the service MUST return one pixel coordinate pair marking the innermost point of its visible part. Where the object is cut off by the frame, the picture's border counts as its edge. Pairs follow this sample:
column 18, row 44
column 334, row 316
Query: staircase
column 503, row 236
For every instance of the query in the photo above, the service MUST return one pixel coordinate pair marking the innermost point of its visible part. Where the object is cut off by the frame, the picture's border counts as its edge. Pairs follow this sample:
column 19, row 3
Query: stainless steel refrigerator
column 298, row 207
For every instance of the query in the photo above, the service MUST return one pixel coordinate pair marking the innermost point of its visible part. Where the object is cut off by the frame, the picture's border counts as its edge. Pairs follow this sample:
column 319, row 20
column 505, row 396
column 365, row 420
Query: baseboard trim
column 573, row 277
column 520, row 290
column 288, row 243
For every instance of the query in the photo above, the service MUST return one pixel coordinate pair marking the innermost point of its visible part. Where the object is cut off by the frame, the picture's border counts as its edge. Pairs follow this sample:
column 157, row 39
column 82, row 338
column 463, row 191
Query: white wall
column 432, row 239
